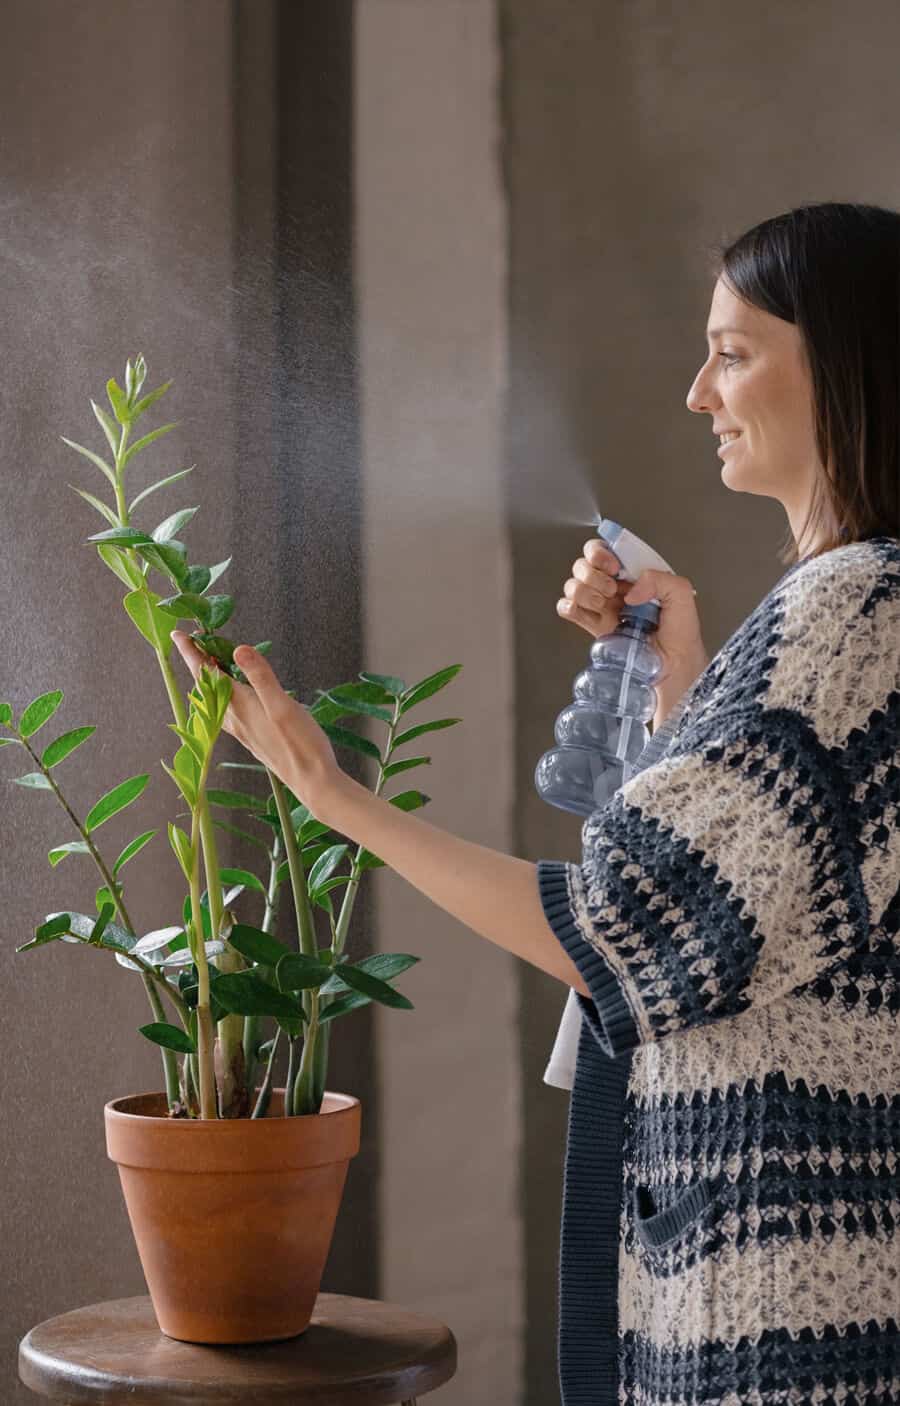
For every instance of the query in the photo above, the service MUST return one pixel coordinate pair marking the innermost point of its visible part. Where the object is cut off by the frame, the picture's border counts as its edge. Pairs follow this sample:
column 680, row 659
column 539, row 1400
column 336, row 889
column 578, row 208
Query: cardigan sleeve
column 719, row 878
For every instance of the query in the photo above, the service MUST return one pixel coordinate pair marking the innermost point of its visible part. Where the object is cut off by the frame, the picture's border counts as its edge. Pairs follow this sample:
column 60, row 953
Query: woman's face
column 755, row 380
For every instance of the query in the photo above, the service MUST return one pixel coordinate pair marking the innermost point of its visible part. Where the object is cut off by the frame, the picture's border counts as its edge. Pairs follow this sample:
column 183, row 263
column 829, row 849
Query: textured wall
column 430, row 278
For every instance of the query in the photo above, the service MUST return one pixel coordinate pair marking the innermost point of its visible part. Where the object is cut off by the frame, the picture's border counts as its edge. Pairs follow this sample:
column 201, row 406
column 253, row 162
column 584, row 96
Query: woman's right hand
column 593, row 597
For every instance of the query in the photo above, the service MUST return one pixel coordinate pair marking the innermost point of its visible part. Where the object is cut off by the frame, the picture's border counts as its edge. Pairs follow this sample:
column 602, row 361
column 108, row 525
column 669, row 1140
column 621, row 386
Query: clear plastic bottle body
column 603, row 731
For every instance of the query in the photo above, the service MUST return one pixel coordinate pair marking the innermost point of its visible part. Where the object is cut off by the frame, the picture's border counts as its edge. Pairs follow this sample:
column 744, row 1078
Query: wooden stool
column 354, row 1351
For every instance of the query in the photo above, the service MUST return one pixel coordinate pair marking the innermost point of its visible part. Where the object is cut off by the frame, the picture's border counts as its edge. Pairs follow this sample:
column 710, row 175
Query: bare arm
column 494, row 894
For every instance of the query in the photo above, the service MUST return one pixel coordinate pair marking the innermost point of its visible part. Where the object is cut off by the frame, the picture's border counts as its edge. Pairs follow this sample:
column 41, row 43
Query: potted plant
column 232, row 1186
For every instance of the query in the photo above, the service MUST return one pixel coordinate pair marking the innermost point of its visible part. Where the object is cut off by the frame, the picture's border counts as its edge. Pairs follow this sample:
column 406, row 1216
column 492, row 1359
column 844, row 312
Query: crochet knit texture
column 732, row 1189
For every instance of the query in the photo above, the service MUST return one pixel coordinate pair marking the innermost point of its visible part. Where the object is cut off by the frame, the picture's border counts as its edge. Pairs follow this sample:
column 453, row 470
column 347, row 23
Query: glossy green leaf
column 169, row 558
column 344, row 738
column 122, row 537
column 389, row 682
column 118, row 400
column 383, row 965
column 48, row 931
column 102, row 508
column 132, row 849
column 64, row 745
column 325, row 865
column 115, row 800
column 368, row 860
column 144, row 443
column 169, row 1036
column 171, row 525
column 196, row 580
column 108, row 426
column 186, row 605
column 5, row 714
column 72, row 847
column 343, row 1005
column 183, row 849
column 10, row 742
column 406, row 765
column 185, row 787
column 149, row 399
column 245, row 993
column 361, row 980
column 221, row 609
column 427, row 687
column 236, row 800
column 40, row 711
column 214, row 573
column 422, row 728
column 242, row 876
column 154, row 623
column 128, row 573
column 256, row 945
column 409, row 800
column 95, row 459
column 163, row 483
column 35, row 780
column 297, row 972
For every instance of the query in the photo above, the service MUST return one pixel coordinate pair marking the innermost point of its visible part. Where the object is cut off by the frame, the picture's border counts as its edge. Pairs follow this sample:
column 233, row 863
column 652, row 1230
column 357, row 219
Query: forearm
column 494, row 894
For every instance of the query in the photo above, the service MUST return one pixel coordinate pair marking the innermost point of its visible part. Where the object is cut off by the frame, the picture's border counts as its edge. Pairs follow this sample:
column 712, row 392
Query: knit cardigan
column 732, row 1177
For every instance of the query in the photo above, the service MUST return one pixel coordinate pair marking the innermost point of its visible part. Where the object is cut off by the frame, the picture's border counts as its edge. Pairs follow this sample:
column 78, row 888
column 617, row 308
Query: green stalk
column 265, row 1092
column 252, row 1023
column 205, row 1029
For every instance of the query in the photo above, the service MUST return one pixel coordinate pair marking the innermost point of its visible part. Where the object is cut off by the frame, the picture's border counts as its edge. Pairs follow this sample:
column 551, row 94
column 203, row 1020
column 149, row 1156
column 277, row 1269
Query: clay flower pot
column 233, row 1218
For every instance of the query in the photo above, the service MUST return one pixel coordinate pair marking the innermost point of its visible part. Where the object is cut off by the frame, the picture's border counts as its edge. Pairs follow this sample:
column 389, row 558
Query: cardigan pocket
column 658, row 1230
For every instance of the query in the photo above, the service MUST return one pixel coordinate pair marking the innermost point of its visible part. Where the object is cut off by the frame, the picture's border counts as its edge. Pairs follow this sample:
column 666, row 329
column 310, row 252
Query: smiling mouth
column 723, row 448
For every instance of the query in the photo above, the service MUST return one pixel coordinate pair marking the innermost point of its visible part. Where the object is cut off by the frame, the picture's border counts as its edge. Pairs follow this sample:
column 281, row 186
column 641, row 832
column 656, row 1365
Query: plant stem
column 252, row 1022
column 205, row 1031
column 265, row 1092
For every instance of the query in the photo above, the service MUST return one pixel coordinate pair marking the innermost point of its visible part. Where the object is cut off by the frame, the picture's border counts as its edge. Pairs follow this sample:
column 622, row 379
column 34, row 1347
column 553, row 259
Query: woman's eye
column 729, row 357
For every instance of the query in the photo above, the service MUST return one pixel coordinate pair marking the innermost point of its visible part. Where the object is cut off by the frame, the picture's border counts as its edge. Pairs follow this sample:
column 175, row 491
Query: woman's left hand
column 278, row 730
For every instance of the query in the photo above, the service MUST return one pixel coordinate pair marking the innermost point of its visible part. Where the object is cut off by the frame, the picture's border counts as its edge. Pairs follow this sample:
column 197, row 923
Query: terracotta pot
column 233, row 1218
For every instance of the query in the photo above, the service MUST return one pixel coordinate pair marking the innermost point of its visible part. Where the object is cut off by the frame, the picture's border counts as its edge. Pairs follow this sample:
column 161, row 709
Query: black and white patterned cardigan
column 731, row 1209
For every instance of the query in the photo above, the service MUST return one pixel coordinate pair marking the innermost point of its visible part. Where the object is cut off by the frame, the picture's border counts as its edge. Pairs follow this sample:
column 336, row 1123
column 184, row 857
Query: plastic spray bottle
column 603, row 731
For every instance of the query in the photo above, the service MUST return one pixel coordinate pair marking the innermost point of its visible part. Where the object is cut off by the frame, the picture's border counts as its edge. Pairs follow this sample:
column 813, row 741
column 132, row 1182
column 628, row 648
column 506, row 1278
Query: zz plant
column 212, row 980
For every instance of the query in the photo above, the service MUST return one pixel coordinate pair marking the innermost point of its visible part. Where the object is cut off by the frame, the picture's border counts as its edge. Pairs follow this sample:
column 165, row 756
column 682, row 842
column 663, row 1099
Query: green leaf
column 245, row 993
column 171, row 525
column 241, row 876
column 107, row 908
column 409, row 800
column 128, row 573
column 415, row 732
column 187, row 605
column 297, row 972
column 122, row 537
column 101, row 507
column 383, row 965
column 5, row 714
column 256, row 945
column 114, row 801
column 392, row 685
column 38, row 712
column 94, row 458
column 132, row 849
column 214, row 573
column 36, row 780
column 147, row 440
column 118, row 400
column 169, row 1036
column 236, row 800
column 325, row 865
column 244, row 835
column 149, row 399
column 183, row 849
column 154, row 623
column 73, row 847
column 9, row 742
column 185, row 787
column 64, row 745
column 394, row 767
column 197, row 580
column 368, row 860
column 427, row 687
column 360, row 698
column 163, row 482
column 344, row 738
column 193, row 743
column 48, row 932
column 221, row 610
column 108, row 426
column 292, row 1027
column 343, row 1006
column 170, row 558
column 371, row 986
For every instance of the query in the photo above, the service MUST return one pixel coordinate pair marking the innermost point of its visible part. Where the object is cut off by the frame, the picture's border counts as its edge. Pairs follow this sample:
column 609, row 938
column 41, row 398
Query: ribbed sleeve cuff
column 608, row 1012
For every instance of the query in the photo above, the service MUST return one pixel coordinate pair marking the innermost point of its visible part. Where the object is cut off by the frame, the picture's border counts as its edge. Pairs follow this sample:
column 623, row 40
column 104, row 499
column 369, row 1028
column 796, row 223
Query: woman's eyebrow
column 721, row 331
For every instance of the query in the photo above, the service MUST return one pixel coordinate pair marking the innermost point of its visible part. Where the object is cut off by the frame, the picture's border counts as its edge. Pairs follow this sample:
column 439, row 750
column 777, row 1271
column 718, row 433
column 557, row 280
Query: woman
column 732, row 1181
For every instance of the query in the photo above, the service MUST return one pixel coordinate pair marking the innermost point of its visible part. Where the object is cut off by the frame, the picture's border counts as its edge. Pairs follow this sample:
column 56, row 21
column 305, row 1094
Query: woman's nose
column 701, row 395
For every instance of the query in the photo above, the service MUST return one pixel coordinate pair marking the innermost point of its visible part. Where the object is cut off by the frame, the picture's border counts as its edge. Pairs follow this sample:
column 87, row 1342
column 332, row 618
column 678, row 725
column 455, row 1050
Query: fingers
column 592, row 595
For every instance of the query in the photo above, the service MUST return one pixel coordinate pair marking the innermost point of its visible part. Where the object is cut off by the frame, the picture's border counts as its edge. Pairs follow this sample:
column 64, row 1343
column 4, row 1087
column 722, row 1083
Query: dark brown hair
column 834, row 271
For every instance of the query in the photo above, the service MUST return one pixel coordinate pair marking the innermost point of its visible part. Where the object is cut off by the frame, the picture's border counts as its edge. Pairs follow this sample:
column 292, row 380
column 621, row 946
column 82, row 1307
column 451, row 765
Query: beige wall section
column 430, row 268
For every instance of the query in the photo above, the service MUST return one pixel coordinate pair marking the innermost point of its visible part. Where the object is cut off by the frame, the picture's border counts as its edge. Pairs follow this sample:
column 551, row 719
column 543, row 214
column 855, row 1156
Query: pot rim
column 113, row 1111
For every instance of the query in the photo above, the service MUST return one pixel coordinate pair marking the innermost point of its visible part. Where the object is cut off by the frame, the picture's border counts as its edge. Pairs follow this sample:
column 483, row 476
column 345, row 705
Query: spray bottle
column 603, row 731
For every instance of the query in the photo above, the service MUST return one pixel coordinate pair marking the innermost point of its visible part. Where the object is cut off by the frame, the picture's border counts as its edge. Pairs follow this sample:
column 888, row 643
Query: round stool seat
column 354, row 1351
